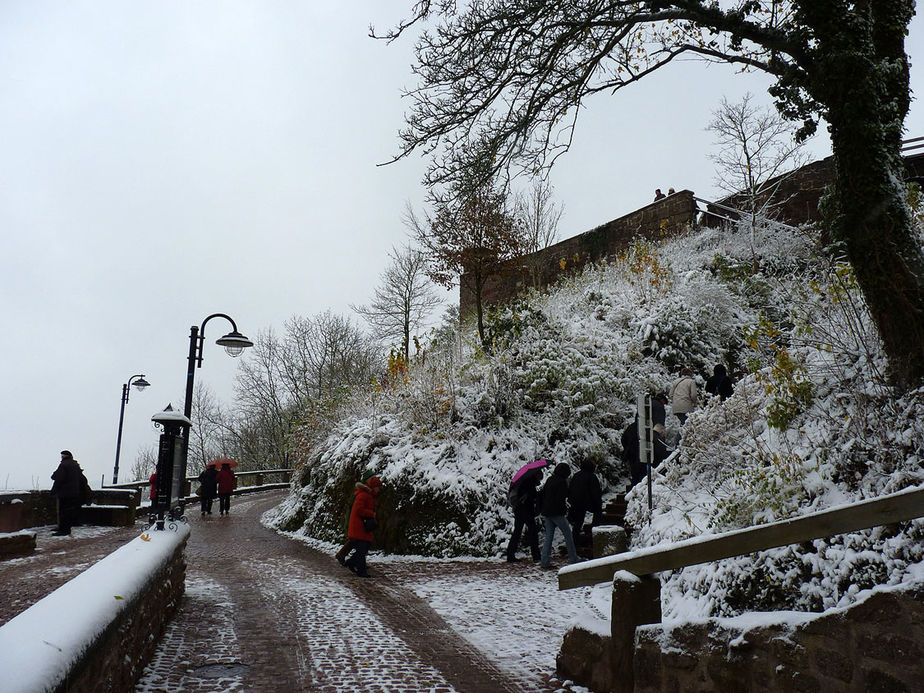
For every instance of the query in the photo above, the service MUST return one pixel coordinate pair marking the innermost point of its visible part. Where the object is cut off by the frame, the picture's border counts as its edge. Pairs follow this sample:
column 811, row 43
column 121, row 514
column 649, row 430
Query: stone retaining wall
column 875, row 645
column 98, row 631
column 116, row 660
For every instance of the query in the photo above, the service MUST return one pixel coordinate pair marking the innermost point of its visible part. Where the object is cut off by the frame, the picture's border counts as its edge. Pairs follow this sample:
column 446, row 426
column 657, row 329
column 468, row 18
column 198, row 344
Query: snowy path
column 263, row 612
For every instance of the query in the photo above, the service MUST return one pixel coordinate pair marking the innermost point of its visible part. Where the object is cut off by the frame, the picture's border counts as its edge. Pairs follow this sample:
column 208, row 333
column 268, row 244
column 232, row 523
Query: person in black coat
column 630, row 449
column 584, row 494
column 523, row 497
column 553, row 506
column 720, row 384
column 68, row 487
column 208, row 488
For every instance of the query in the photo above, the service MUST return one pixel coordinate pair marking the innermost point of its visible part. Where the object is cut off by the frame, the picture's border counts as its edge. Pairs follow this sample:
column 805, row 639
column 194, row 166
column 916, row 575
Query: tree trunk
column 865, row 86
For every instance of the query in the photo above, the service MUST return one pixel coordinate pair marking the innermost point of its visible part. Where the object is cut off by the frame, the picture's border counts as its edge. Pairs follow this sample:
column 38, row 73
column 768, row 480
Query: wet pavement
column 264, row 612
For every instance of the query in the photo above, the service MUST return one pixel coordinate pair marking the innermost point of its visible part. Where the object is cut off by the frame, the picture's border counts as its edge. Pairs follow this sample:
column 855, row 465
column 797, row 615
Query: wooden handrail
column 895, row 507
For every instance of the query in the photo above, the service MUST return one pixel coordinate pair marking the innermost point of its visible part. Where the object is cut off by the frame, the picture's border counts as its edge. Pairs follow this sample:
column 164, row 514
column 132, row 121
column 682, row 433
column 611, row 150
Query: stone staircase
column 614, row 513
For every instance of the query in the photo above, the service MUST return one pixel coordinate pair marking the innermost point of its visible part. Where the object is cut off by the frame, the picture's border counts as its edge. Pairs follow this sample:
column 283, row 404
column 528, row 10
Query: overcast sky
column 163, row 161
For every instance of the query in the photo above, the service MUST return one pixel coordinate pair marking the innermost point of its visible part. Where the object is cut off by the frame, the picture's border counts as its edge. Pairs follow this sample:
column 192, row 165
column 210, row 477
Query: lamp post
column 139, row 384
column 234, row 343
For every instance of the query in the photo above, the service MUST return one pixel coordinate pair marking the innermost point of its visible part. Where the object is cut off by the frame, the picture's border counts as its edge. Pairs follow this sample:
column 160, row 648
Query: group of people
column 562, row 505
column 660, row 195
column 684, row 398
column 215, row 482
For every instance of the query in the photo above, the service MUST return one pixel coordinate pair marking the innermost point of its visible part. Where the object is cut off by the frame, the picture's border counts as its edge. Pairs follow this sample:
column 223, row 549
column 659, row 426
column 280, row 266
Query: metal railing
column 896, row 507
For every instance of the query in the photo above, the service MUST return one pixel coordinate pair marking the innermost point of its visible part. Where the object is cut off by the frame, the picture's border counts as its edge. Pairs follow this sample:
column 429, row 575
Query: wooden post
column 636, row 601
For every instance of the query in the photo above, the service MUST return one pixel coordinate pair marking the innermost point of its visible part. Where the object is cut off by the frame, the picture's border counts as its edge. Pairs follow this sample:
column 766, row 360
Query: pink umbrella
column 538, row 464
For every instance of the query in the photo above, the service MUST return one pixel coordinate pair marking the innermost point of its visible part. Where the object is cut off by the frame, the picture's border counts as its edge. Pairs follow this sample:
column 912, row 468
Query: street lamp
column 234, row 343
column 139, row 384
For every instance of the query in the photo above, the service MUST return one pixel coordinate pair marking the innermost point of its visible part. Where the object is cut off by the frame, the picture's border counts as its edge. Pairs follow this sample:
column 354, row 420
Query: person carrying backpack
column 71, row 489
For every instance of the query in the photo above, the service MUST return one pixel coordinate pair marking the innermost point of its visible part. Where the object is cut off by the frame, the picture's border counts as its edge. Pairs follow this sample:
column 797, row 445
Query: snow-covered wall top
column 39, row 647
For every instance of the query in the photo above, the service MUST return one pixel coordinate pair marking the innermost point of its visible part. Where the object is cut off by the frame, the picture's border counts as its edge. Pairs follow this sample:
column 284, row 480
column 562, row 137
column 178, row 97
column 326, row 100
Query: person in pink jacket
column 226, row 483
column 362, row 524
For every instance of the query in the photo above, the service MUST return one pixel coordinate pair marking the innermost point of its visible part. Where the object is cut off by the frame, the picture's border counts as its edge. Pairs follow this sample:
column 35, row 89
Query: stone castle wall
column 660, row 219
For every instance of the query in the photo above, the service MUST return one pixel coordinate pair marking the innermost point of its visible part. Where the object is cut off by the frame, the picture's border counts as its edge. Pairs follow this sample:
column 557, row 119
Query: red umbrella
column 222, row 460
column 538, row 464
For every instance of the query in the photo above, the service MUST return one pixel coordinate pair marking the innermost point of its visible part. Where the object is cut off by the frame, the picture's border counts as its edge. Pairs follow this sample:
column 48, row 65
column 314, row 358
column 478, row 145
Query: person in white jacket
column 683, row 395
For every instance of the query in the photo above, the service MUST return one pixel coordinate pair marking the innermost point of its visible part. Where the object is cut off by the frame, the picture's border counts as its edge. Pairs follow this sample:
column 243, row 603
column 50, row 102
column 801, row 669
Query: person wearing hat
column 362, row 523
column 350, row 544
column 68, row 487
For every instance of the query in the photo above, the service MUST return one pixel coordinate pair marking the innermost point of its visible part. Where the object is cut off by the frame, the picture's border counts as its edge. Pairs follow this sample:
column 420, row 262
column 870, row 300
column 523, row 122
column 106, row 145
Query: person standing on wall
column 683, row 395
column 71, row 489
column 226, row 483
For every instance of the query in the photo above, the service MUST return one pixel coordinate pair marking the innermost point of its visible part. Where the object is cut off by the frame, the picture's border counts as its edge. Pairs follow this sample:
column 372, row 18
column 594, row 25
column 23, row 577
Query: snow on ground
column 514, row 615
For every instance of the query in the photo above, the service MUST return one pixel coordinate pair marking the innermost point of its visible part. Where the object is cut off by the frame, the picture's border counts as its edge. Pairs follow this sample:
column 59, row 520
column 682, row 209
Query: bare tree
column 756, row 146
column 312, row 367
column 403, row 300
column 515, row 74
column 145, row 463
column 540, row 217
column 472, row 231
column 207, row 433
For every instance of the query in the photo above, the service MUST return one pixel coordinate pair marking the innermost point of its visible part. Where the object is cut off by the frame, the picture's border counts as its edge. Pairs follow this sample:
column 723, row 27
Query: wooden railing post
column 636, row 602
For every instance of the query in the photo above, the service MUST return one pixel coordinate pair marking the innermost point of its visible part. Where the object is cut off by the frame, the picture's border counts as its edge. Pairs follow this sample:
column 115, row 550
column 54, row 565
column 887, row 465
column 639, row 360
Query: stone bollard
column 609, row 540
column 636, row 602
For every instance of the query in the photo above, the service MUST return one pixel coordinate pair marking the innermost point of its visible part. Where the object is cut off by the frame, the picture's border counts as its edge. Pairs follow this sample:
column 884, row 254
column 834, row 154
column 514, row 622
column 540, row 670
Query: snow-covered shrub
column 814, row 424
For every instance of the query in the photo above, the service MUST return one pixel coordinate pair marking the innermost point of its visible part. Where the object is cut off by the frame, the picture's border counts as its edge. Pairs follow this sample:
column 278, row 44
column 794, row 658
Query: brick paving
column 263, row 612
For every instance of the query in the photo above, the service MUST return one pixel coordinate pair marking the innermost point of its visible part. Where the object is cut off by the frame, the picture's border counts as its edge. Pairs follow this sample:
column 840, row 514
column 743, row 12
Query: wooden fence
column 896, row 507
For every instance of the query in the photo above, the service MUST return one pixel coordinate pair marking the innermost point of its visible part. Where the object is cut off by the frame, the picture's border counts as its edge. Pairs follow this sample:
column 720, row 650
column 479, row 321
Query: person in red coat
column 226, row 484
column 363, row 509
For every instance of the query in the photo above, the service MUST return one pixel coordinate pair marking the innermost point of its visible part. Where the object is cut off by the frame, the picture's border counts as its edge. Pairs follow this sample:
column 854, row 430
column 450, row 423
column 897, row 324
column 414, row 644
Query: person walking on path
column 584, row 494
column 71, row 489
column 553, row 504
column 523, row 496
column 720, row 384
column 208, row 488
column 226, row 483
column 350, row 544
column 362, row 524
column 683, row 395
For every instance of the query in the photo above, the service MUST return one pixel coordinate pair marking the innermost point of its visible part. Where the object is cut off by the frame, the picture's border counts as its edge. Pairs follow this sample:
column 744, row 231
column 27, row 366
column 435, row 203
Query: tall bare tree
column 540, row 216
column 514, row 74
column 403, row 300
column 755, row 148
column 313, row 366
column 472, row 231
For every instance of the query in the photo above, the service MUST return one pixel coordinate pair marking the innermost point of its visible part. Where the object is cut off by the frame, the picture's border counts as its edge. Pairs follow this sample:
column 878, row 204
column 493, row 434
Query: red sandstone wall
column 876, row 645
column 655, row 221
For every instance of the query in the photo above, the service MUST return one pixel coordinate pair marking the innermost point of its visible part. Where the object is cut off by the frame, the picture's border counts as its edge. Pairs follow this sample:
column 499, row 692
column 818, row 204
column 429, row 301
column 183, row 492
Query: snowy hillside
column 812, row 422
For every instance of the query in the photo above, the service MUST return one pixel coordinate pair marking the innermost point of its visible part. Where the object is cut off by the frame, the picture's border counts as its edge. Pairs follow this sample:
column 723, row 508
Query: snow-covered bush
column 812, row 422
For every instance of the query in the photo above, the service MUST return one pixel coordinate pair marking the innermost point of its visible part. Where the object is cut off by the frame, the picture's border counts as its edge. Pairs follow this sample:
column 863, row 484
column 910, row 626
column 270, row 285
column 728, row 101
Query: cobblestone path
column 265, row 613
